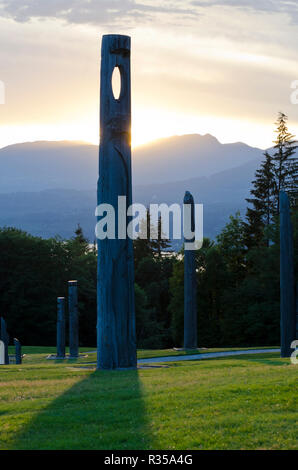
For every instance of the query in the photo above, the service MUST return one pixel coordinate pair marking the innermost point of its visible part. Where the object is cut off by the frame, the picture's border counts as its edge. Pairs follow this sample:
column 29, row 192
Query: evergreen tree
column 232, row 245
column 160, row 243
column 79, row 235
column 262, row 200
column 143, row 247
column 285, row 160
column 80, row 244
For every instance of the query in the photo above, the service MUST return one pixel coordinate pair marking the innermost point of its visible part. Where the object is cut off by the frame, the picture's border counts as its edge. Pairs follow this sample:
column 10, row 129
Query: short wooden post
column 73, row 318
column 61, row 327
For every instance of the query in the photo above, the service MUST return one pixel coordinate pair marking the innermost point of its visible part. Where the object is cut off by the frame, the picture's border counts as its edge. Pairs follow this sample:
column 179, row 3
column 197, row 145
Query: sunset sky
column 223, row 67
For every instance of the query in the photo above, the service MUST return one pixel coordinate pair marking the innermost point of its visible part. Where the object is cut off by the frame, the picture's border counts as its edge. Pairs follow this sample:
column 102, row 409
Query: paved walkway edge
column 197, row 357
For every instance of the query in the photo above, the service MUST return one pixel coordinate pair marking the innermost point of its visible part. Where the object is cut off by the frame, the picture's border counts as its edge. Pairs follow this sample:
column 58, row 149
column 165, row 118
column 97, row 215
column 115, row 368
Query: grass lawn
column 242, row 402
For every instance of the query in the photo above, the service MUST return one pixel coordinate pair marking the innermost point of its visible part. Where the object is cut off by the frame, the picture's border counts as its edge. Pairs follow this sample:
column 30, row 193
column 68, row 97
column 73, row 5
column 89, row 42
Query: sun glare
column 147, row 125
column 152, row 124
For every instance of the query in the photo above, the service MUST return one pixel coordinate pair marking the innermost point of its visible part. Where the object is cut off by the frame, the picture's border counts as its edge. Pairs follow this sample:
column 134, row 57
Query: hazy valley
column 46, row 188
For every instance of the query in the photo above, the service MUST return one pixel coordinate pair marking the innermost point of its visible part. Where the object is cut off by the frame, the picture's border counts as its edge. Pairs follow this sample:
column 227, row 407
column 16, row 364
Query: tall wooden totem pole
column 190, row 285
column 287, row 282
column 116, row 342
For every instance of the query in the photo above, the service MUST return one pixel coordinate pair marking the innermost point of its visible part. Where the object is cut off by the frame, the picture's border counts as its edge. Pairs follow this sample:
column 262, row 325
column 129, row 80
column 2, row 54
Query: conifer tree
column 142, row 245
column 79, row 241
column 146, row 246
column 285, row 161
column 277, row 172
column 262, row 211
column 161, row 243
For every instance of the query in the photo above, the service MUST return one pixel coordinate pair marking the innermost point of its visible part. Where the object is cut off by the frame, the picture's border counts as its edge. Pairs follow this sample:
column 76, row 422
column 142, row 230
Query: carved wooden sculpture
column 190, row 291
column 18, row 349
column 116, row 313
column 61, row 327
column 5, row 338
column 73, row 318
column 287, row 283
column 2, row 353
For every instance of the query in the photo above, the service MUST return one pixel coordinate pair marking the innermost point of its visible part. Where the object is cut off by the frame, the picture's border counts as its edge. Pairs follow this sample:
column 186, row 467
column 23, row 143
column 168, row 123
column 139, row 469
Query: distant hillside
column 228, row 186
column 52, row 212
column 49, row 213
column 47, row 188
column 48, row 165
column 188, row 156
column 74, row 165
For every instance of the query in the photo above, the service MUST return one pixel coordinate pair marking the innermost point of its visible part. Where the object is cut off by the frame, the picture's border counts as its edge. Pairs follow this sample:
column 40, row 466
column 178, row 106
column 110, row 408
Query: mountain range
column 47, row 188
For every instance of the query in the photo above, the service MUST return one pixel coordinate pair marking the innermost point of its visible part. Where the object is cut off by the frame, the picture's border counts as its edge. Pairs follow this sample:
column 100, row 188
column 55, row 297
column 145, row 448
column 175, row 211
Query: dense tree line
column 237, row 274
column 33, row 273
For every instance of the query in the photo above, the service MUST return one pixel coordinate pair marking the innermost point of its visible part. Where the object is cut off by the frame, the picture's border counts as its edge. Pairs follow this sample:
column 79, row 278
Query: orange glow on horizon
column 148, row 125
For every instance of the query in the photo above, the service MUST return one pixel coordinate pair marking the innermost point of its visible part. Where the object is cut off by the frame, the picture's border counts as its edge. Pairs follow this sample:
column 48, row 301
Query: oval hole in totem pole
column 116, row 82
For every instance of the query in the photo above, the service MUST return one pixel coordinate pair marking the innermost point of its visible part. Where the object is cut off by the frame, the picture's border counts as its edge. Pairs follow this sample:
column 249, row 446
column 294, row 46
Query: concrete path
column 194, row 357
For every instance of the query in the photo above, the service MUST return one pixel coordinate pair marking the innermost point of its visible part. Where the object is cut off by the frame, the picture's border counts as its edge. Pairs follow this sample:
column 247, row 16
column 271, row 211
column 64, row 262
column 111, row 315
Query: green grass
column 242, row 402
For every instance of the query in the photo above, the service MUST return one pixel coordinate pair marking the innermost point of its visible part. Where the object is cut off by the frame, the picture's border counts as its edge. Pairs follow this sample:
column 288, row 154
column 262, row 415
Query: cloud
column 265, row 6
column 182, row 14
column 190, row 58
column 97, row 12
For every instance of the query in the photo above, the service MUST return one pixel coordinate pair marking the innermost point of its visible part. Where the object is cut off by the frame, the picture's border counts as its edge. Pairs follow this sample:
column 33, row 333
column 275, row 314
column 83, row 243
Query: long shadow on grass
column 103, row 411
